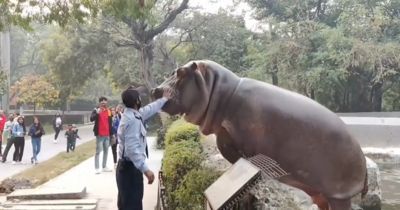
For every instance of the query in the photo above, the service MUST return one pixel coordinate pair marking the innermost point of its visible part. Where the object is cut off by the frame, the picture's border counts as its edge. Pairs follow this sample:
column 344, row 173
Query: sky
column 242, row 9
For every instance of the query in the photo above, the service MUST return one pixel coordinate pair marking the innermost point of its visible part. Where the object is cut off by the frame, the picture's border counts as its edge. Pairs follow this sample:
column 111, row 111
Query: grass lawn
column 57, row 165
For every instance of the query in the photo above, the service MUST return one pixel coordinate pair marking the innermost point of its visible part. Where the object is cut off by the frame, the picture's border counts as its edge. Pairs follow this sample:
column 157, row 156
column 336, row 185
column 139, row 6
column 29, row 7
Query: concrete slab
column 61, row 207
column 52, row 202
column 48, row 194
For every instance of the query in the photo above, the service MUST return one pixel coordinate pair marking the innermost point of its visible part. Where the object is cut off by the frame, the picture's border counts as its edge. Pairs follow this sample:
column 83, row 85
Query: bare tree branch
column 171, row 17
column 187, row 31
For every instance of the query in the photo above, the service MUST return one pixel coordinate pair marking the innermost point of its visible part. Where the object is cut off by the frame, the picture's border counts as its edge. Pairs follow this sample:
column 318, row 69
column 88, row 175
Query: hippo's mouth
column 172, row 108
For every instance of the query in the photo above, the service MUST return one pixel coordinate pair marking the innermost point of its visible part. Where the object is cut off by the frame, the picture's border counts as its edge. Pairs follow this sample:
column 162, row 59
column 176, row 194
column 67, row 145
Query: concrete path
column 48, row 150
column 103, row 186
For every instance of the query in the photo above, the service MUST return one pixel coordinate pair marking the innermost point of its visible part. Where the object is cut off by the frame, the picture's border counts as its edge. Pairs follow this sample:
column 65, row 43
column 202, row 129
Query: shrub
column 179, row 159
column 181, row 131
column 190, row 195
column 166, row 122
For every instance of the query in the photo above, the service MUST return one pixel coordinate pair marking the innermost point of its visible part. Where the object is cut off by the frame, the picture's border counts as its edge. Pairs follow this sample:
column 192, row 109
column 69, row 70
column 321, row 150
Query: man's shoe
column 97, row 171
column 107, row 169
column 55, row 141
column 14, row 163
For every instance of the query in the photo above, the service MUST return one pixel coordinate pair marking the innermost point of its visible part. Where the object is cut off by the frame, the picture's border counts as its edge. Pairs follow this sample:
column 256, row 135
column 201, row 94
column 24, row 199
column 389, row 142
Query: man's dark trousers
column 130, row 186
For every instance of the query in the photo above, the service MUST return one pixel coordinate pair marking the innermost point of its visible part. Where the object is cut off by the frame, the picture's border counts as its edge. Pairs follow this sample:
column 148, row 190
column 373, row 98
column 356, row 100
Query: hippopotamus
column 250, row 117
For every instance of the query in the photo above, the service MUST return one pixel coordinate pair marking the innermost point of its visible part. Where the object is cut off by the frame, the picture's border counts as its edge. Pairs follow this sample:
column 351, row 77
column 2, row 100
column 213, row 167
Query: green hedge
column 179, row 159
column 166, row 122
column 189, row 195
column 184, row 177
column 181, row 131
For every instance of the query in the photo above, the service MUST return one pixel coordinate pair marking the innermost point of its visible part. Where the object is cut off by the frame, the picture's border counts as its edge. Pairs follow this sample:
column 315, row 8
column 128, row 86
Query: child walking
column 71, row 134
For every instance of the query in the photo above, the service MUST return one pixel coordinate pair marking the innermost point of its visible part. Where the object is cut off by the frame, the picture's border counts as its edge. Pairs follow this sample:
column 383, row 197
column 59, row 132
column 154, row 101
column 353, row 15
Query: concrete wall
column 375, row 129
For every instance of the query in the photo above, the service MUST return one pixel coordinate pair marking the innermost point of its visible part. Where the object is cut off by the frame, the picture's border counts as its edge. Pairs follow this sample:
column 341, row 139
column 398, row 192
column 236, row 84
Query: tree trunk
column 312, row 94
column 376, row 97
column 34, row 108
column 146, row 62
column 274, row 73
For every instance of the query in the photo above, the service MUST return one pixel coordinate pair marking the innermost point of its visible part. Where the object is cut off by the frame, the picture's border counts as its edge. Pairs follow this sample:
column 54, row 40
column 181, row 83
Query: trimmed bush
column 166, row 122
column 190, row 195
column 179, row 159
column 181, row 131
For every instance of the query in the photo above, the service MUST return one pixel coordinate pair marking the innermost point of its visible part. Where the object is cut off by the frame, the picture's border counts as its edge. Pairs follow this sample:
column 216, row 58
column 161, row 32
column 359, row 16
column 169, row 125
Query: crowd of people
column 122, row 128
column 14, row 131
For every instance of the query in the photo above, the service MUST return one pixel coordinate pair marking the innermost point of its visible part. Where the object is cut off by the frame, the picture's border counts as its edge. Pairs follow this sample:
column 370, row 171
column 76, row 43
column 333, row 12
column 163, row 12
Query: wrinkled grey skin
column 250, row 117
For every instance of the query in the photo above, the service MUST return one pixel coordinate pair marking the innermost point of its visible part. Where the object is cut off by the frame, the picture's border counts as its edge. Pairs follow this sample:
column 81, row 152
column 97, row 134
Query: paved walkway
column 103, row 186
column 48, row 150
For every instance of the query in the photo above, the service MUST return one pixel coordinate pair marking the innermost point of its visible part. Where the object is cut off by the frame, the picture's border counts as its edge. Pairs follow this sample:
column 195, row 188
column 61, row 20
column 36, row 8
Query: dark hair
column 102, row 98
column 36, row 117
column 130, row 97
column 23, row 122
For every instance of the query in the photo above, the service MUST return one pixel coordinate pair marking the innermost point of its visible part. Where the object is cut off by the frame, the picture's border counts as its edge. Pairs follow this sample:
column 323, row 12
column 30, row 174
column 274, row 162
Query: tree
column 339, row 53
column 35, row 90
column 73, row 55
column 3, row 82
column 145, row 21
column 23, row 12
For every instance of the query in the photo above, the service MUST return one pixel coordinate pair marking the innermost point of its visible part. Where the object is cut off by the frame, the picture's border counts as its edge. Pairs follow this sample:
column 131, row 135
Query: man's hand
column 167, row 93
column 150, row 176
column 97, row 110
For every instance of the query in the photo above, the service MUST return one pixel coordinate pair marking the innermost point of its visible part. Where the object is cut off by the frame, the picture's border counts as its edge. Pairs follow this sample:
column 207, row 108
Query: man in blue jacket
column 133, row 148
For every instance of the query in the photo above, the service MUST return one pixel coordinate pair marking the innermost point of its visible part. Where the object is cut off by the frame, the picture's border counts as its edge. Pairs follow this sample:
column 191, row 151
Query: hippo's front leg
column 226, row 146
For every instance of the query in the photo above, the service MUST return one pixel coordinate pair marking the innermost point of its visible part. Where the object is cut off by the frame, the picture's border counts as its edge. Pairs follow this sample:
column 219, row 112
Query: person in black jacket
column 102, row 129
column 36, row 132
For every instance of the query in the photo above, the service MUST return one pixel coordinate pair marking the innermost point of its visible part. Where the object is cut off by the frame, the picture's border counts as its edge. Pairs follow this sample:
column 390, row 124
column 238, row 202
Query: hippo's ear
column 193, row 66
column 187, row 69
column 181, row 72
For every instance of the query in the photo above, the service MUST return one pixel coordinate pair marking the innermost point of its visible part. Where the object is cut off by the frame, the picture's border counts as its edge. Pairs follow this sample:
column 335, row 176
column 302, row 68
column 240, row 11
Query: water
column 390, row 177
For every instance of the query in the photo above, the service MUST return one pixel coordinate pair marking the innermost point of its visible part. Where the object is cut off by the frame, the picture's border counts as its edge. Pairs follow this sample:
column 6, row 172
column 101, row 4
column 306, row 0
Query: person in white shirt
column 57, row 126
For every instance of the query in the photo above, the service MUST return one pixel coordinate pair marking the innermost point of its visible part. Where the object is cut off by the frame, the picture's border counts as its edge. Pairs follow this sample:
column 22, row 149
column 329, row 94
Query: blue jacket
column 115, row 124
column 18, row 130
column 132, row 133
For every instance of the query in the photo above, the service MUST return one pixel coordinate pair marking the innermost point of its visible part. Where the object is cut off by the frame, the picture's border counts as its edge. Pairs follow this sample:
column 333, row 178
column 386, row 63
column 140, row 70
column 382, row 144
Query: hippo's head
column 190, row 95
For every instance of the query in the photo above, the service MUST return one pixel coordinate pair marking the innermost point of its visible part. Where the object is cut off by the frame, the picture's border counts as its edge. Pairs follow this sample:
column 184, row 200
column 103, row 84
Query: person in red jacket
column 102, row 118
column 3, row 120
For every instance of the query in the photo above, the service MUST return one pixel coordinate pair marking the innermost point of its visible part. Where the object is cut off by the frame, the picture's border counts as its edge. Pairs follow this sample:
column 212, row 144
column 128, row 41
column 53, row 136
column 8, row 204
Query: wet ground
column 390, row 176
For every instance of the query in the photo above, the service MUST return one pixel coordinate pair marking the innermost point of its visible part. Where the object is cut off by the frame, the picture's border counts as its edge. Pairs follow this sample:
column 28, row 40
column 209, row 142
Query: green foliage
column 340, row 53
column 166, row 122
column 184, row 177
column 121, row 9
column 219, row 37
column 190, row 195
column 23, row 12
column 180, row 130
column 179, row 159
column 72, row 56
column 3, row 82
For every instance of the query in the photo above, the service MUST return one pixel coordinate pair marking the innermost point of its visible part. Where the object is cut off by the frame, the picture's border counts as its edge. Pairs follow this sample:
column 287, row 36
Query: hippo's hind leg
column 226, row 147
column 316, row 196
column 339, row 204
